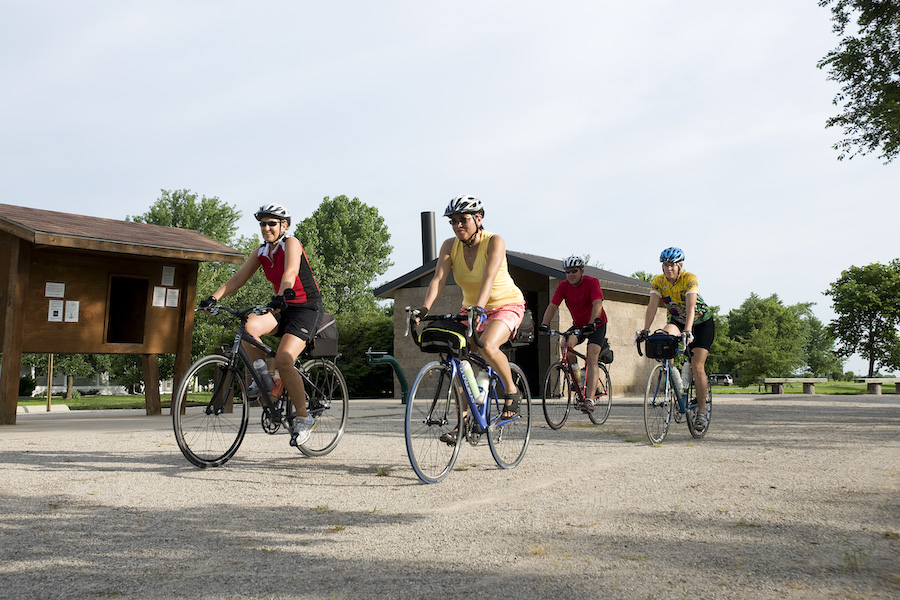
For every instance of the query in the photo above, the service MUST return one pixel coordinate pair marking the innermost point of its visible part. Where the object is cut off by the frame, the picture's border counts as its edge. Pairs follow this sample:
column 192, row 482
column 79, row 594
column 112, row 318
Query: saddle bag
column 325, row 343
column 606, row 353
column 525, row 333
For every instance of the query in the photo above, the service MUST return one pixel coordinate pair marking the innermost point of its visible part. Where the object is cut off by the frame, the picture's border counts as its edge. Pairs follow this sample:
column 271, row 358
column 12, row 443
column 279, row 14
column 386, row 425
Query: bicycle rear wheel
column 557, row 400
column 657, row 405
column 210, row 433
column 698, row 432
column 433, row 409
column 602, row 397
column 327, row 401
column 509, row 439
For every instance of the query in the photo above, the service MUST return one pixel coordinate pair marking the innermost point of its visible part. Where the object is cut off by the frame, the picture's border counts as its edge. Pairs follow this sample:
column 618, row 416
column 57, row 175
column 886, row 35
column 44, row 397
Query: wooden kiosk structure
column 75, row 284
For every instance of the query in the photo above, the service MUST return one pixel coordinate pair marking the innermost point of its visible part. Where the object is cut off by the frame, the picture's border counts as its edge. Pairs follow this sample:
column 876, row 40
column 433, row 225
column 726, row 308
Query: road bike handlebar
column 412, row 319
column 241, row 314
column 640, row 337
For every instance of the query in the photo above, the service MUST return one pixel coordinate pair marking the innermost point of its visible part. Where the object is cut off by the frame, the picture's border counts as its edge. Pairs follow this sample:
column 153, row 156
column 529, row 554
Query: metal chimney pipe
column 429, row 250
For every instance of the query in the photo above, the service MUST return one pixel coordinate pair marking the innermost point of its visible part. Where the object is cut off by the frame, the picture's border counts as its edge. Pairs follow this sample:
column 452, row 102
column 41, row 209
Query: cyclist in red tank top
column 297, row 305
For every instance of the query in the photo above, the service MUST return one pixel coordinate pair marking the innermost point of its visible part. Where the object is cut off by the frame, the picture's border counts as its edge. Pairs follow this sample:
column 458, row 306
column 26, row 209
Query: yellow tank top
column 469, row 280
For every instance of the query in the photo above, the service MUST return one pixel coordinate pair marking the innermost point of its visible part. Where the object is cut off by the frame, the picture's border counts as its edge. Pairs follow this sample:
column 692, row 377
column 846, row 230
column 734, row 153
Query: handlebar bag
column 443, row 335
column 661, row 345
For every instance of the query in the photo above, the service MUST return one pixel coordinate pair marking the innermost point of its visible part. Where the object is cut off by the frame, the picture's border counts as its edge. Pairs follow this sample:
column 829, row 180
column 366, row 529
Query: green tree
column 821, row 358
column 643, row 276
column 866, row 65
column 348, row 246
column 180, row 208
column 768, row 339
column 868, row 314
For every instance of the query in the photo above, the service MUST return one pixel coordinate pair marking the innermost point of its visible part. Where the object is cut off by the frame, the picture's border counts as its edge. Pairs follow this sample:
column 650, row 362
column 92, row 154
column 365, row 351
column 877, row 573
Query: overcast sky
column 613, row 129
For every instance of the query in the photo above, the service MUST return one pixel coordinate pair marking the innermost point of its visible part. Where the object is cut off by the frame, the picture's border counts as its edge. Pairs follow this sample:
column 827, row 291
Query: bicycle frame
column 239, row 353
column 480, row 411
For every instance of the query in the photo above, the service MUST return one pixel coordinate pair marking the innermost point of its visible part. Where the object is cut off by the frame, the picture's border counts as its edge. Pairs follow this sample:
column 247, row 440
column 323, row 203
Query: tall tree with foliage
column 348, row 246
column 180, row 208
column 768, row 338
column 868, row 314
column 866, row 65
column 821, row 358
column 217, row 220
column 643, row 276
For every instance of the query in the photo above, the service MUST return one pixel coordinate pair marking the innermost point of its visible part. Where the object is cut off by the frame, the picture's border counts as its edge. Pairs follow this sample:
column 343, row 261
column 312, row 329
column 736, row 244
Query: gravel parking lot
column 787, row 497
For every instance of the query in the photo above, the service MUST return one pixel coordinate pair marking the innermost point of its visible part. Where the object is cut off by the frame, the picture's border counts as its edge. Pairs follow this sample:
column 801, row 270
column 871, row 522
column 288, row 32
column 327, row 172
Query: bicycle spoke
column 210, row 434
column 433, row 411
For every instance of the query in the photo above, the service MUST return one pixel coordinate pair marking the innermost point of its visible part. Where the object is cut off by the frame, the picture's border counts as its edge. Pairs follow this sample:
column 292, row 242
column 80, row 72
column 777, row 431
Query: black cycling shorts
column 595, row 338
column 299, row 320
column 704, row 333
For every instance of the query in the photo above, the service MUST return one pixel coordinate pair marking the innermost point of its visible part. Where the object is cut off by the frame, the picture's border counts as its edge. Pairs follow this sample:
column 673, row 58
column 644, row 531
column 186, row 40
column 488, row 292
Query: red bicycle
column 562, row 388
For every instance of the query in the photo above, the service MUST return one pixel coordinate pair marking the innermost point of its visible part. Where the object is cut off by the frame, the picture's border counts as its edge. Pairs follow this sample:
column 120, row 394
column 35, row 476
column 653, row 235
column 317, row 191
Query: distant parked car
column 721, row 379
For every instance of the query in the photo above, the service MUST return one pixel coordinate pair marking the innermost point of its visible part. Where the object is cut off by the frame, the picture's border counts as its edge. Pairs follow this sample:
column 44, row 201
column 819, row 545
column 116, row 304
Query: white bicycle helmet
column 273, row 210
column 574, row 261
column 464, row 205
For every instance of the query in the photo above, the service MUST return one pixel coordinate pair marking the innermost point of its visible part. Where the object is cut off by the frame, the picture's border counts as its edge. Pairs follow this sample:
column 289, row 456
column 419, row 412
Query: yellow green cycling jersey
column 674, row 296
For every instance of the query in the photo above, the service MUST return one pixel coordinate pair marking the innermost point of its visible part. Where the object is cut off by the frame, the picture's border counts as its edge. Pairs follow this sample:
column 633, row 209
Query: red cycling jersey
column 306, row 288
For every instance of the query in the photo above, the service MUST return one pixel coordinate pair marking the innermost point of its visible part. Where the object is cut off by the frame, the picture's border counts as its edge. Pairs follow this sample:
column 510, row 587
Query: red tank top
column 305, row 285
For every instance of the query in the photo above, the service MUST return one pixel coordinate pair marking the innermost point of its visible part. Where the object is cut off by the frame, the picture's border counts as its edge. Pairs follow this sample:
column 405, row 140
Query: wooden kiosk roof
column 66, row 230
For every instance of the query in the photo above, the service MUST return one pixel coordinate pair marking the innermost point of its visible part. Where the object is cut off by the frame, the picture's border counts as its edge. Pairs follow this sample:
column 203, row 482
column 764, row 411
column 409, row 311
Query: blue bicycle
column 660, row 395
column 437, row 419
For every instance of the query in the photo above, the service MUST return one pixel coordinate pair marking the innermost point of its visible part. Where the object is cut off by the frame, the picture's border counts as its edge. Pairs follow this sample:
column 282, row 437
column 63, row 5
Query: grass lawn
column 107, row 402
column 840, row 388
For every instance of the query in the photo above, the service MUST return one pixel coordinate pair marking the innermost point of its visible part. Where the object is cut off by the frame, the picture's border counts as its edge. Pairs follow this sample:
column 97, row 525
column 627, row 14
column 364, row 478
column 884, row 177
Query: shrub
column 27, row 385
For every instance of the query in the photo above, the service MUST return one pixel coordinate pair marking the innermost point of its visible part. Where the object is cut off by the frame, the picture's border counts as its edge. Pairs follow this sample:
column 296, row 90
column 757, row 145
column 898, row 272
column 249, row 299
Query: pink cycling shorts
column 510, row 315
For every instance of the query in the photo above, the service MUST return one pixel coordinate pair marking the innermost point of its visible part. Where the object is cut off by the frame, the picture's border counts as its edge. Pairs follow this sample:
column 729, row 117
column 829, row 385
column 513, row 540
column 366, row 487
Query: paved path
column 788, row 497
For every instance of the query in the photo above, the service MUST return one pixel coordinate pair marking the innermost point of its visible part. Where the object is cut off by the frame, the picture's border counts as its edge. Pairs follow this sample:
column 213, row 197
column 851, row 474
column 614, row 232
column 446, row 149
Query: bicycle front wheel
column 209, row 432
column 557, row 400
column 509, row 439
column 327, row 401
column 433, row 410
column 657, row 405
column 602, row 397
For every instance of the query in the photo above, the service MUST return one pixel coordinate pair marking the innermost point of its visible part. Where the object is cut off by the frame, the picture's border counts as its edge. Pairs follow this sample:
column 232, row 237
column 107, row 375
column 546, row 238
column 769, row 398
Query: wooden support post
column 150, row 363
column 183, row 352
column 18, row 265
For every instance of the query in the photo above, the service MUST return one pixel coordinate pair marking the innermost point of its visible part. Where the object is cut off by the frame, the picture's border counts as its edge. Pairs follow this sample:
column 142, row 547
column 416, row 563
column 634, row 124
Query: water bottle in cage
column 675, row 378
column 686, row 375
column 469, row 375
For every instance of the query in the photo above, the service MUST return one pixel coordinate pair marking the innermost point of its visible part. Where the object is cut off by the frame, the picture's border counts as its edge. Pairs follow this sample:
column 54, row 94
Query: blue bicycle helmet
column 672, row 254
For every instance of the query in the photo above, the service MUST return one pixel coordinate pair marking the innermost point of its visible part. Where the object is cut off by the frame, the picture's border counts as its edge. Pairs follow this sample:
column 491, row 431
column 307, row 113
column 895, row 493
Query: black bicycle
column 210, row 424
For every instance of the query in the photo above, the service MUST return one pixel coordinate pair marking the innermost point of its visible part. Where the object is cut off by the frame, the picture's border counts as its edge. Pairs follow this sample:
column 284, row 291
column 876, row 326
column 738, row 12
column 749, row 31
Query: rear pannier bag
column 443, row 335
column 326, row 341
column 661, row 345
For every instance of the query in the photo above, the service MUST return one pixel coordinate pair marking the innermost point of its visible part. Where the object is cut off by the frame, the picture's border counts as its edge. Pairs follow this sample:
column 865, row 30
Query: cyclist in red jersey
column 584, row 299
column 297, row 305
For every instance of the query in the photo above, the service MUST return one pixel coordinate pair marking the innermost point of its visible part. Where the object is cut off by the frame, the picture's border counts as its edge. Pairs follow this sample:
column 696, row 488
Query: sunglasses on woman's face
column 269, row 223
column 460, row 221
column 572, row 270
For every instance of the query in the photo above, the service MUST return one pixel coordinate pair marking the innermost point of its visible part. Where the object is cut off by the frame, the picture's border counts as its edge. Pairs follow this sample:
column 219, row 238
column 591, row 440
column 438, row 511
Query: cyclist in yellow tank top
column 478, row 261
